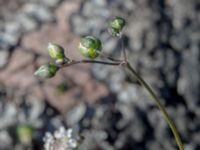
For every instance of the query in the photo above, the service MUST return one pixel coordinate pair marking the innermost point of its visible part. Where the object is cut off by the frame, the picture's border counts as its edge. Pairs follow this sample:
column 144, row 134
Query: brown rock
column 19, row 70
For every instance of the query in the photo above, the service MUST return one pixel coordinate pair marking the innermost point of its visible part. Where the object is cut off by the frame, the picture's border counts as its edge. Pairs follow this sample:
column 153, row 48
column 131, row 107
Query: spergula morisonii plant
column 90, row 47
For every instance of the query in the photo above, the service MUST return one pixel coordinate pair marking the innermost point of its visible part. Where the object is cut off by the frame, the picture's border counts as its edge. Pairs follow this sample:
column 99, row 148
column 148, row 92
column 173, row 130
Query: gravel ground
column 162, row 39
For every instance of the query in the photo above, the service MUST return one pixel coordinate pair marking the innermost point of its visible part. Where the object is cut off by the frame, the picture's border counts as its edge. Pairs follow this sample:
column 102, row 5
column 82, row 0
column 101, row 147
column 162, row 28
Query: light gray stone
column 28, row 23
column 5, row 140
column 4, row 54
column 76, row 114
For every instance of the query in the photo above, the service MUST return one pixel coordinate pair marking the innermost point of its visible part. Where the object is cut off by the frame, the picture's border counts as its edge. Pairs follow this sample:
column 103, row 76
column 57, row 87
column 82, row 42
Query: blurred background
column 105, row 104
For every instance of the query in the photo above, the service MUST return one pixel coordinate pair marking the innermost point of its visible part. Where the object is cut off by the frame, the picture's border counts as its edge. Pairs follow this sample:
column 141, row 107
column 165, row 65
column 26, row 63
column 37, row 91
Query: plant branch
column 146, row 86
column 160, row 106
column 123, row 48
column 101, row 62
column 74, row 62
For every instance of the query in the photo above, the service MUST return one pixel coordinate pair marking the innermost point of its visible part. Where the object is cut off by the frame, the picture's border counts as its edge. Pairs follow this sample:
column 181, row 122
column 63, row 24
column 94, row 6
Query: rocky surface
column 162, row 42
column 105, row 104
column 30, row 52
column 25, row 99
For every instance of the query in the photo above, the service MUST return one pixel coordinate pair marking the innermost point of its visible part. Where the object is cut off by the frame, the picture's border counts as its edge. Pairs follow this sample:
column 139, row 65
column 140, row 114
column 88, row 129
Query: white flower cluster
column 62, row 139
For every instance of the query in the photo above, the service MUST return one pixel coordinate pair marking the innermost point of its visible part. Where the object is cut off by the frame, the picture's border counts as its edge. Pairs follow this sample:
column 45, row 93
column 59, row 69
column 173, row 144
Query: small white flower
column 62, row 139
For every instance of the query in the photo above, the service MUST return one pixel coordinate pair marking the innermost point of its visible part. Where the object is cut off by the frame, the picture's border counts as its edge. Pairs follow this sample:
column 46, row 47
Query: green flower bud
column 24, row 133
column 47, row 71
column 90, row 46
column 116, row 25
column 56, row 51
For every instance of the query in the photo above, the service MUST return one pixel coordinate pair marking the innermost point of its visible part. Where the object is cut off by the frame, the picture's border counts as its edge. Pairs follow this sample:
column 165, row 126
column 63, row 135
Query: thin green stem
column 160, row 106
column 147, row 87
column 101, row 62
column 86, row 61
column 122, row 46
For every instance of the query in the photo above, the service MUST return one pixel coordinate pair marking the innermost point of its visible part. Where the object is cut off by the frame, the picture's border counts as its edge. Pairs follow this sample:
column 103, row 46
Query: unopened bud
column 56, row 51
column 90, row 46
column 47, row 71
column 116, row 25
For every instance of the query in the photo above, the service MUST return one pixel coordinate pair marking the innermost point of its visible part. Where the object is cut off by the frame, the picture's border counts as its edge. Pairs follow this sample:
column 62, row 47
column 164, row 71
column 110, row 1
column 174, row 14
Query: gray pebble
column 76, row 114
column 3, row 57
column 28, row 23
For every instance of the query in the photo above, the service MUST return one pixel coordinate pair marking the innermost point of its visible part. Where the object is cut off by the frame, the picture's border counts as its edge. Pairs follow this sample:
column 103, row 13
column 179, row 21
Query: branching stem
column 146, row 86
column 143, row 83
column 86, row 61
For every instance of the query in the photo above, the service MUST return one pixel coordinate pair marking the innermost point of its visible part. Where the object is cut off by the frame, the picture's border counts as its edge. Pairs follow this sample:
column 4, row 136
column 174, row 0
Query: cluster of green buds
column 49, row 70
column 89, row 46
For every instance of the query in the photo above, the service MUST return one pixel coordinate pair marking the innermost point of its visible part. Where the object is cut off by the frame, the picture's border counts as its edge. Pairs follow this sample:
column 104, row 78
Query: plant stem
column 86, row 61
column 101, row 62
column 160, row 106
column 123, row 48
column 146, row 86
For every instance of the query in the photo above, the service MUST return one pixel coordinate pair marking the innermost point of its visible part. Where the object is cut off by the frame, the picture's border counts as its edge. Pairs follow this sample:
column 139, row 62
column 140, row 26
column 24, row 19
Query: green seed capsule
column 56, row 51
column 90, row 46
column 47, row 71
column 116, row 25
